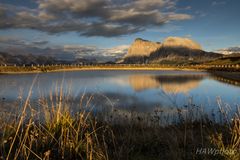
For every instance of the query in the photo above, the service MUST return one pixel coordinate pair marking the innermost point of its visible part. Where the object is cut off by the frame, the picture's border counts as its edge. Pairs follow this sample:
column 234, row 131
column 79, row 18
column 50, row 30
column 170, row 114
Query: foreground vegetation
column 57, row 133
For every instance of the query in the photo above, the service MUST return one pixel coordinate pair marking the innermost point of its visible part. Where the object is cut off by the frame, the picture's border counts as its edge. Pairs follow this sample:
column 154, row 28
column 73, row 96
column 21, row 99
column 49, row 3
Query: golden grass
column 233, row 141
column 59, row 135
column 59, row 68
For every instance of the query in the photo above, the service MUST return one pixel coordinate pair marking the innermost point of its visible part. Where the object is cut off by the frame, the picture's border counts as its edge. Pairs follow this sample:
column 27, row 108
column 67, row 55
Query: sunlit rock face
column 173, row 49
column 143, row 82
column 183, row 88
column 169, row 84
column 141, row 47
column 181, row 43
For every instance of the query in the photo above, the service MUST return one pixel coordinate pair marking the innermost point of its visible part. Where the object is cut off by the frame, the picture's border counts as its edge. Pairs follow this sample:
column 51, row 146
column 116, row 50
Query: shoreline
column 104, row 69
column 117, row 68
column 233, row 76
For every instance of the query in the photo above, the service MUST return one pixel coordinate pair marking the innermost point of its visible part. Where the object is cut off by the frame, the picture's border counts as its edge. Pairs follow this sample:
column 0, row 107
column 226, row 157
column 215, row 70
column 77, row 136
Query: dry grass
column 57, row 135
column 73, row 67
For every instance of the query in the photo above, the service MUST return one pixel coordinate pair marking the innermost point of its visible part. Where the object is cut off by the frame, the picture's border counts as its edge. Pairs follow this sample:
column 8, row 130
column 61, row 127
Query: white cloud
column 118, row 50
column 216, row 3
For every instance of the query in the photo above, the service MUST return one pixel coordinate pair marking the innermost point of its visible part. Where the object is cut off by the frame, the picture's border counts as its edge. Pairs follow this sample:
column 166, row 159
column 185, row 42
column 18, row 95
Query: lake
column 140, row 91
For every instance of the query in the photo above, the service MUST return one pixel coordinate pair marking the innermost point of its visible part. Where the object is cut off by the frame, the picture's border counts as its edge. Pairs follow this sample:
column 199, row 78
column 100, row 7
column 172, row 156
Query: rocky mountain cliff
column 172, row 50
column 181, row 43
column 141, row 47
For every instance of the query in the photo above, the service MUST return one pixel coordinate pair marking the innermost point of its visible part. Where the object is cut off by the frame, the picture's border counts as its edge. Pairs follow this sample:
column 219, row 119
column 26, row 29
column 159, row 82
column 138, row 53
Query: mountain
column 10, row 59
column 139, row 50
column 141, row 47
column 181, row 43
column 172, row 50
column 230, row 50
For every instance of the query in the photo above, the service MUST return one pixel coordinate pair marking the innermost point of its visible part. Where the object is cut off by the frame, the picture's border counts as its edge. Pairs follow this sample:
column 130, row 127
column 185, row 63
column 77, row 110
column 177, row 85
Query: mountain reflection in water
column 168, row 83
column 141, row 91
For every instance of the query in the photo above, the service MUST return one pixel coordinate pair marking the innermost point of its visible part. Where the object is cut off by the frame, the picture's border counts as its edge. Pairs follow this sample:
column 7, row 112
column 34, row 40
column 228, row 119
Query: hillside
column 10, row 59
column 233, row 58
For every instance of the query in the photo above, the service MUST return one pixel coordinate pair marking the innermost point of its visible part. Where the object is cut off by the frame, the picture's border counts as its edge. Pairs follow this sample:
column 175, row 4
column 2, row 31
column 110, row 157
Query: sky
column 104, row 29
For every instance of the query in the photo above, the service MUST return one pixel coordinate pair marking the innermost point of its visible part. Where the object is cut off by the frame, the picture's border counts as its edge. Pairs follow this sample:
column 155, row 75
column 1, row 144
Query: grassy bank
column 42, row 69
column 57, row 68
column 61, row 134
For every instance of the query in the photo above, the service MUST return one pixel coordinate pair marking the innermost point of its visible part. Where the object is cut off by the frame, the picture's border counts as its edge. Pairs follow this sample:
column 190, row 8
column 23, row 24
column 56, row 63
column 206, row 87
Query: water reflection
column 168, row 83
column 235, row 82
column 140, row 91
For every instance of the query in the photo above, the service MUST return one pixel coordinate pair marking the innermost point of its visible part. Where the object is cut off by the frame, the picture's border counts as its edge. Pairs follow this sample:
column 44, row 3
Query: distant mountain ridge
column 173, row 49
column 10, row 59
column 229, row 51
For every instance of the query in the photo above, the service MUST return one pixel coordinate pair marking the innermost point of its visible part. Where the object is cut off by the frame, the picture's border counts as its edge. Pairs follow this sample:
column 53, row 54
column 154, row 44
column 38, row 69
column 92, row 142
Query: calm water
column 142, row 91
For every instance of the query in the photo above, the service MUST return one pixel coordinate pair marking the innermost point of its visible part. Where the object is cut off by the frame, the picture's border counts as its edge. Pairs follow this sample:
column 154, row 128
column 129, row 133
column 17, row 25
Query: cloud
column 217, row 3
column 188, row 36
column 107, row 18
column 166, row 28
column 17, row 46
column 122, row 49
column 110, row 30
column 2, row 12
column 101, row 54
column 41, row 42
column 200, row 13
column 11, row 41
column 66, row 52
